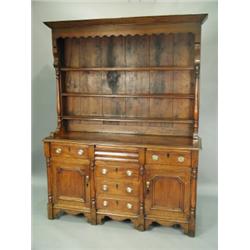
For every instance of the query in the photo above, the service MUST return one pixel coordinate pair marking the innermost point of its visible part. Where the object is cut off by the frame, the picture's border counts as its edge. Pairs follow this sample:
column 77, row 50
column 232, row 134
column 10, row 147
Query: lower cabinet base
column 187, row 228
column 55, row 212
column 139, row 223
column 136, row 221
column 145, row 185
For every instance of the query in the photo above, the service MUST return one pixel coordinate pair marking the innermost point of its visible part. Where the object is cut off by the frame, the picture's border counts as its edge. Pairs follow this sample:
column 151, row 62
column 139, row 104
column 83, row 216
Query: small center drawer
column 116, row 154
column 170, row 157
column 111, row 204
column 129, row 189
column 69, row 150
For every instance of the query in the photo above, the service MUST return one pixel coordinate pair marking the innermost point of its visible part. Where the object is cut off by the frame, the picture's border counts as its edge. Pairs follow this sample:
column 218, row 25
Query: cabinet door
column 167, row 191
column 71, row 184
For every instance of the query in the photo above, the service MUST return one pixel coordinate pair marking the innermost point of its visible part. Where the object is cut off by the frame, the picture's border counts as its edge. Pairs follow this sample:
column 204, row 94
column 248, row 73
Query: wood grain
column 126, row 144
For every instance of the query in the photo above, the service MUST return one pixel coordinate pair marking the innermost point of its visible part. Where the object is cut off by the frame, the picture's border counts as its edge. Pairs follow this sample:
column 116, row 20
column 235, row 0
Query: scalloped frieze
column 127, row 30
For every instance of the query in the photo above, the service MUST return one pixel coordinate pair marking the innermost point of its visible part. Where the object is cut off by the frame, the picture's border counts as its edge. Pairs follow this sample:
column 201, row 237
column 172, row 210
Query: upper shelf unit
column 128, row 75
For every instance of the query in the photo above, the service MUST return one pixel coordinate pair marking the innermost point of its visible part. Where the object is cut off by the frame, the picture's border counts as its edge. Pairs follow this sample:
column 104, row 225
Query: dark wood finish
column 159, row 68
column 175, row 185
column 169, row 157
column 126, row 144
column 127, row 140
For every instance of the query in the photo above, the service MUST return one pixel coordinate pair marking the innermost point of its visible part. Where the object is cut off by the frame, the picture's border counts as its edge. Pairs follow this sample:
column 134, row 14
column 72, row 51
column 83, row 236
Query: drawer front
column 116, row 154
column 178, row 158
column 69, row 150
column 128, row 172
column 112, row 205
column 129, row 189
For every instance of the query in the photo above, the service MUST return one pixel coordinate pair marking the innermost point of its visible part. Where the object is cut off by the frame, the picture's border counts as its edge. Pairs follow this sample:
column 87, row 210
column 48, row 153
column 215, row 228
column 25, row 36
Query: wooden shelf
column 160, row 68
column 135, row 140
column 126, row 119
column 173, row 96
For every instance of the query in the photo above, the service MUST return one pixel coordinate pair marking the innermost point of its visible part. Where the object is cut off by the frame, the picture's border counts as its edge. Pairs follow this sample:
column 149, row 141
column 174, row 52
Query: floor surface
column 73, row 232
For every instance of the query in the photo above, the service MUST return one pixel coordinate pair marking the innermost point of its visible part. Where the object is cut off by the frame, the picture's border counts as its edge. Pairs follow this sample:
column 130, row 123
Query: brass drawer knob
column 181, row 158
column 80, row 152
column 155, row 157
column 129, row 206
column 129, row 172
column 104, row 171
column 87, row 179
column 58, row 150
column 105, row 187
column 105, row 203
column 147, row 185
column 129, row 189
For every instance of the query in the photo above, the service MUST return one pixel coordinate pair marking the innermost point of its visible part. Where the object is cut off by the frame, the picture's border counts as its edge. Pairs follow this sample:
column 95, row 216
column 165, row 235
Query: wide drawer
column 119, row 187
column 69, row 150
column 169, row 157
column 118, row 171
column 113, row 205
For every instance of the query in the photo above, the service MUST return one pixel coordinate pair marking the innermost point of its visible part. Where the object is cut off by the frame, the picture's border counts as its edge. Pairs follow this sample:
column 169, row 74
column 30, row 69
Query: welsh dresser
column 126, row 144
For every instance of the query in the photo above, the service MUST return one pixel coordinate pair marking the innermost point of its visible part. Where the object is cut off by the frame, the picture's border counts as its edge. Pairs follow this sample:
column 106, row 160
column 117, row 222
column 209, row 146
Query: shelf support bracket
column 196, row 91
column 56, row 64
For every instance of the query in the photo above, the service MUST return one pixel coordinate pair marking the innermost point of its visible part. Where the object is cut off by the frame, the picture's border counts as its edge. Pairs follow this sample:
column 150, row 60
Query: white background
column 234, row 125
column 44, row 119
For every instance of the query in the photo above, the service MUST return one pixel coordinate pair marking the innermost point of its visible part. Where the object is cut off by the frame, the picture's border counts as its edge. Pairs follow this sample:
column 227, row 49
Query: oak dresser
column 126, row 144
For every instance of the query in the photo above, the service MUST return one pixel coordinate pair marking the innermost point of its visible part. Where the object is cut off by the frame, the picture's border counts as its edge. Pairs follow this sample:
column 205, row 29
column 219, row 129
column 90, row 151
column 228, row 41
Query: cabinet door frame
column 82, row 169
column 153, row 173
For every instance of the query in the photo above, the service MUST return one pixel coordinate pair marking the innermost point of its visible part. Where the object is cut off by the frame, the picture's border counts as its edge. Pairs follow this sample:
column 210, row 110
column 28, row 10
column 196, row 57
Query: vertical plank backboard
column 161, row 50
column 91, row 106
column 114, row 107
column 113, row 82
column 137, row 107
column 137, row 51
column 161, row 82
column 161, row 108
column 183, row 109
column 137, row 82
column 183, row 49
column 183, row 82
column 112, row 54
column 72, row 105
column 72, row 81
column 130, row 51
column 90, row 52
column 90, row 82
column 71, row 52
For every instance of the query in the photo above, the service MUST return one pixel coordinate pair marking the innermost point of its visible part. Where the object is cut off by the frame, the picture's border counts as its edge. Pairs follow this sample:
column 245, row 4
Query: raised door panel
column 167, row 192
column 71, row 184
